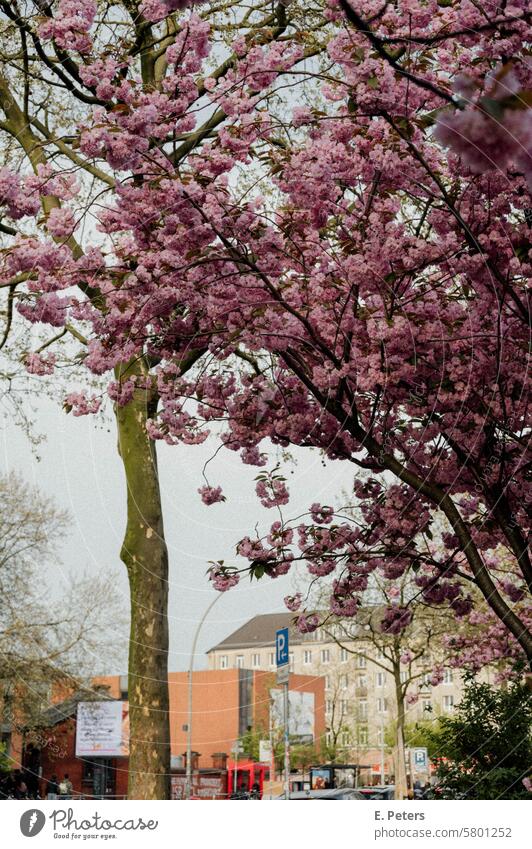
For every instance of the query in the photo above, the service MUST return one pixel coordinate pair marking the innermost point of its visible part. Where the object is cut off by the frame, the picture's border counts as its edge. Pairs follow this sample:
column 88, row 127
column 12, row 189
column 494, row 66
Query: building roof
column 68, row 708
column 259, row 632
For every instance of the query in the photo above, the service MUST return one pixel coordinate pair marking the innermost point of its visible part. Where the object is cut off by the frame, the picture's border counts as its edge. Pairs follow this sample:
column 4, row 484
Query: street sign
column 420, row 759
column 281, row 647
column 283, row 674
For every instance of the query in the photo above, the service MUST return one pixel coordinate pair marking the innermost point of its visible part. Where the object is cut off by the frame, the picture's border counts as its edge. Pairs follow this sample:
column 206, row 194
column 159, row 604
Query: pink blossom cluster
column 306, row 623
column 493, row 132
column 13, row 196
column 211, row 494
column 156, row 10
column 395, row 619
column 223, row 579
column 272, row 492
column 40, row 364
column 80, row 404
column 293, row 602
column 71, row 24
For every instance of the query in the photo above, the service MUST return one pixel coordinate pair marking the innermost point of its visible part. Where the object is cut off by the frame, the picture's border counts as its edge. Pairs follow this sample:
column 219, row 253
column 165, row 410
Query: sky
column 78, row 465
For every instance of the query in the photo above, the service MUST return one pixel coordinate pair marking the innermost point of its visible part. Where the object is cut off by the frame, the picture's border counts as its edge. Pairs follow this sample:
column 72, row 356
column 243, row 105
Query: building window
column 381, row 679
column 448, row 676
column 382, row 705
column 425, row 679
column 291, row 661
column 345, row 738
column 362, row 681
column 344, row 706
column 307, row 657
column 363, row 735
column 380, row 736
column 328, row 738
column 427, row 705
column 328, row 706
column 327, row 682
column 272, row 658
column 404, row 677
column 344, row 655
column 223, row 661
column 448, row 703
column 362, row 709
column 362, row 662
column 239, row 661
column 343, row 682
column 325, row 655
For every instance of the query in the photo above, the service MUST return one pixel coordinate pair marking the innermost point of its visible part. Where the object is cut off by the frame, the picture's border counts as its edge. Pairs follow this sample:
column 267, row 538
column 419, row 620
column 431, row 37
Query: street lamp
column 188, row 782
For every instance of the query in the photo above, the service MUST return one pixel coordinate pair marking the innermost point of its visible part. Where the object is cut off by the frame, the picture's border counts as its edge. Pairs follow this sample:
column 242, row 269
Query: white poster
column 265, row 751
column 300, row 713
column 102, row 729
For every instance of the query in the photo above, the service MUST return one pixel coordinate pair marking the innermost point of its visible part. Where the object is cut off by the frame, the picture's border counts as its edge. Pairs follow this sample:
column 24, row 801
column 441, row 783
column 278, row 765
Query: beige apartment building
column 359, row 694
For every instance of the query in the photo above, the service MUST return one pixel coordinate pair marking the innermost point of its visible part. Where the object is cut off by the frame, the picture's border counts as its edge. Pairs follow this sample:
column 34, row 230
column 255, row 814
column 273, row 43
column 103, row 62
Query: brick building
column 226, row 703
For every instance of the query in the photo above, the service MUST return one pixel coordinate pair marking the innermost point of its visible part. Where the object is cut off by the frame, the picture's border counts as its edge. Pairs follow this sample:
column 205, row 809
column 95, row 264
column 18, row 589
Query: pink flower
column 211, row 494
column 61, row 222
column 156, row 10
column 272, row 492
column 80, row 404
column 222, row 579
column 395, row 620
column 321, row 514
column 307, row 623
column 344, row 605
column 293, row 602
column 39, row 364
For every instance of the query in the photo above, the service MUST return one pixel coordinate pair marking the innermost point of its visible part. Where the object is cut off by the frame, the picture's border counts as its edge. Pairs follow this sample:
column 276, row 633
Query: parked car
column 379, row 793
column 342, row 794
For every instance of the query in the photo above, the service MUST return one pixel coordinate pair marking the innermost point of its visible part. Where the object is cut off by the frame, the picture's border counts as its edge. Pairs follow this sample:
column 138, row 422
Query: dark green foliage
column 487, row 745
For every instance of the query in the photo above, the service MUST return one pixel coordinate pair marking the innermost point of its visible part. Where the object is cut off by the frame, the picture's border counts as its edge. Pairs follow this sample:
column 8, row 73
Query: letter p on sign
column 281, row 646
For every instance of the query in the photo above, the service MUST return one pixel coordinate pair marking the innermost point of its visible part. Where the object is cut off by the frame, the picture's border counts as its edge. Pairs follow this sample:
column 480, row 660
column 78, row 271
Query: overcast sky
column 80, row 468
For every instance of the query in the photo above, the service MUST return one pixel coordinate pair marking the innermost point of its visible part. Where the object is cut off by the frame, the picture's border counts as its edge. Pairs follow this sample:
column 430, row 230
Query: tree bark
column 401, row 784
column 145, row 555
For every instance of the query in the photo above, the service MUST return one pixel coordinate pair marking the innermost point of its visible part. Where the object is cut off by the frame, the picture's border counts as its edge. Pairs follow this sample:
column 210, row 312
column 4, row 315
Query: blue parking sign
column 281, row 647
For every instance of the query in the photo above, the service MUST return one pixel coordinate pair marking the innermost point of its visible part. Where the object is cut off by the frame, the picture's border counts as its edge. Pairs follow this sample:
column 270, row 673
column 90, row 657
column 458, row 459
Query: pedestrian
column 21, row 790
column 52, row 787
column 65, row 788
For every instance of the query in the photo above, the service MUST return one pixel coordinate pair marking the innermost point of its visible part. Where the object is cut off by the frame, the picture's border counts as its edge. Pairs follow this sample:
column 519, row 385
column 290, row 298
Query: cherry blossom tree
column 381, row 305
column 348, row 273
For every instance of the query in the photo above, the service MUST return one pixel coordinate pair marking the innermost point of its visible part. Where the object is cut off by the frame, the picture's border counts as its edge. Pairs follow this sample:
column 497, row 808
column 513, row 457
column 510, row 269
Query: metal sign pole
column 282, row 656
column 272, row 754
column 286, row 742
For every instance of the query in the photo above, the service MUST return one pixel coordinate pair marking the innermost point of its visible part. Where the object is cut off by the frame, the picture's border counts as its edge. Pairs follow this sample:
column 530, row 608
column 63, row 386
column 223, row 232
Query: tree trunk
column 401, row 784
column 145, row 555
